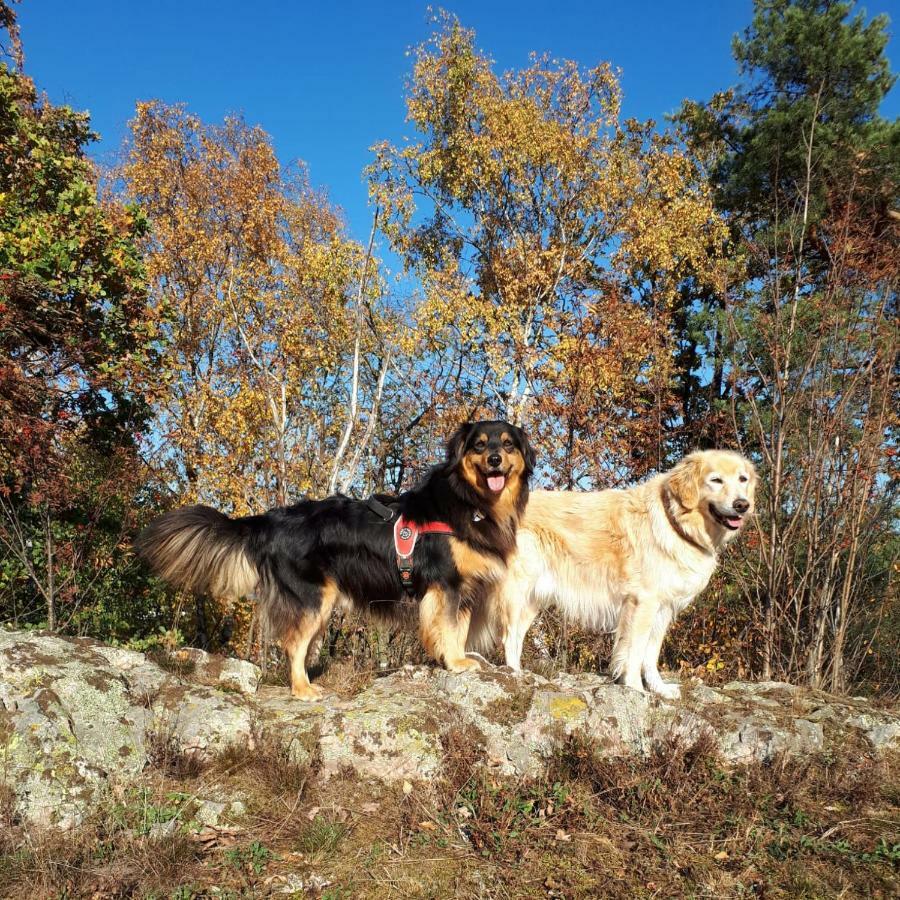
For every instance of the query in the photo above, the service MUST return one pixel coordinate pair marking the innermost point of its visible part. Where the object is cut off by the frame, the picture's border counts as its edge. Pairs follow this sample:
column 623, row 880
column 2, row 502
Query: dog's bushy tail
column 199, row 549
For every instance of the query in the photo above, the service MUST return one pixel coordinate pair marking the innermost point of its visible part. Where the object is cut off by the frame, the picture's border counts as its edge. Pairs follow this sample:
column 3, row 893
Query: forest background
column 193, row 321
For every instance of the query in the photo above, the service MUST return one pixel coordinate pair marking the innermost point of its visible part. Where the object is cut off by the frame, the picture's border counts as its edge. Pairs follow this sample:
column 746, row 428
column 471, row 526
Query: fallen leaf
column 407, row 788
column 428, row 826
column 563, row 836
column 721, row 855
column 369, row 808
column 313, row 813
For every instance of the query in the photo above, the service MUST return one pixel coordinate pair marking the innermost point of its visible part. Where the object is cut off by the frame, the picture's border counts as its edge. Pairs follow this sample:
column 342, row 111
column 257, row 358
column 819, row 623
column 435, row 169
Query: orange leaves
column 549, row 238
column 251, row 278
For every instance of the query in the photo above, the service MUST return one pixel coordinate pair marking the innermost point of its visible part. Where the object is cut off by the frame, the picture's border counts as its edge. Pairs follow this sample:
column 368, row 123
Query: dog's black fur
column 299, row 559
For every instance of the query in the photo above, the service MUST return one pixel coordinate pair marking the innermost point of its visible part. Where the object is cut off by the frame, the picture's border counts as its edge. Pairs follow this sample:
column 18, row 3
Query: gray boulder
column 78, row 719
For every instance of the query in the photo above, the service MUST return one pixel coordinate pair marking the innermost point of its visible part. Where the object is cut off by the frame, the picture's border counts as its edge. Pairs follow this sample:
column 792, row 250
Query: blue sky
column 326, row 79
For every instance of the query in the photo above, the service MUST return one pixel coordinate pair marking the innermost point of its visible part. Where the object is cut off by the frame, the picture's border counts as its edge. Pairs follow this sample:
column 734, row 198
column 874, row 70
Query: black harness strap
column 380, row 510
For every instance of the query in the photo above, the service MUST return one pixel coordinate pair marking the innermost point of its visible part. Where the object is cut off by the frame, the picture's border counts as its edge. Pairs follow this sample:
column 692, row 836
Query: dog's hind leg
column 632, row 636
column 443, row 627
column 296, row 643
column 652, row 678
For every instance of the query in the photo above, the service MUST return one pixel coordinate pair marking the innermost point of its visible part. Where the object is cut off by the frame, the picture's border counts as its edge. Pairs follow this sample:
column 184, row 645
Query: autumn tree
column 11, row 48
column 277, row 339
column 806, row 172
column 255, row 287
column 74, row 345
column 549, row 239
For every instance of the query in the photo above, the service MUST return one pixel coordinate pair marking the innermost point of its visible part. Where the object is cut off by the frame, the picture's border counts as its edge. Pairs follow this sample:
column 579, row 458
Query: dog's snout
column 495, row 459
column 741, row 505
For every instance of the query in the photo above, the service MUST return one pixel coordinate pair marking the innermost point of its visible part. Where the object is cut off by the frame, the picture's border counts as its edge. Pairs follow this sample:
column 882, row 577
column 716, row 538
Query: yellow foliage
column 253, row 283
column 550, row 239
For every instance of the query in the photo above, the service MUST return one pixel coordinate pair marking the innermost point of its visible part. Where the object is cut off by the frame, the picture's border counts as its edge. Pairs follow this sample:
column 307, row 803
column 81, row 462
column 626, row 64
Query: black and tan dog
column 299, row 561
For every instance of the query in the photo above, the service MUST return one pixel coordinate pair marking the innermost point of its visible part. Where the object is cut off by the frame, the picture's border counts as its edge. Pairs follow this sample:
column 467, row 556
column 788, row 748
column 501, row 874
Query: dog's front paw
column 463, row 664
column 668, row 691
column 308, row 692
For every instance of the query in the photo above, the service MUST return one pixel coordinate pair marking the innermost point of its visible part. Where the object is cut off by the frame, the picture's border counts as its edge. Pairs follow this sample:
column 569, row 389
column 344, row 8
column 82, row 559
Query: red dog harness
column 406, row 534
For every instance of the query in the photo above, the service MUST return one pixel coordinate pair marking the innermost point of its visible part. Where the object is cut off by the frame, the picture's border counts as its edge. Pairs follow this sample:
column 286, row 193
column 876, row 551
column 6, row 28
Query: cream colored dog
column 629, row 560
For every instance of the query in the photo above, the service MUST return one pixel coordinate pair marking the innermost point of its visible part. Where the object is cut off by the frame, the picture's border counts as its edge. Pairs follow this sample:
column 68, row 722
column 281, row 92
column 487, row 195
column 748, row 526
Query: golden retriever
column 629, row 560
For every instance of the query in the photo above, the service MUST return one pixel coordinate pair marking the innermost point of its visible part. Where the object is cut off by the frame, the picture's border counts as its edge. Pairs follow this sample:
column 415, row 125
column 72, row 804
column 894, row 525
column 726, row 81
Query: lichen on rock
column 78, row 719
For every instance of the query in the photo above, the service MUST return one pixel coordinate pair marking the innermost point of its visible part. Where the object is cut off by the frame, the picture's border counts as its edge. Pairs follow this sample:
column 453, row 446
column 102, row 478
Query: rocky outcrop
column 78, row 718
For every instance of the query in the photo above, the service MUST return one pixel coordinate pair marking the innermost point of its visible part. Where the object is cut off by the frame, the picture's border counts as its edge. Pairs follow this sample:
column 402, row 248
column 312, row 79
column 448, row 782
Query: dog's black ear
column 527, row 451
column 456, row 446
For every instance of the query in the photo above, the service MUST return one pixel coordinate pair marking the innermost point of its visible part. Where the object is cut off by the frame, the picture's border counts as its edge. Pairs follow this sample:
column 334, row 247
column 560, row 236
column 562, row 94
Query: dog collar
column 666, row 496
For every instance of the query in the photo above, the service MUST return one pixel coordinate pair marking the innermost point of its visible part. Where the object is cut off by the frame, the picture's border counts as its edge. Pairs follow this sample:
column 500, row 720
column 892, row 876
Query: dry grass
column 180, row 666
column 146, row 840
column 7, row 805
column 274, row 767
column 112, row 854
column 679, row 824
column 676, row 823
column 463, row 748
column 165, row 753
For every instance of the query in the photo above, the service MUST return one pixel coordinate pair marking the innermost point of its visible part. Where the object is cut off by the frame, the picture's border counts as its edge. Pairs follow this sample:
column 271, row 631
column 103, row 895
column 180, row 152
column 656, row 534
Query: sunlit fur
column 624, row 560
column 302, row 561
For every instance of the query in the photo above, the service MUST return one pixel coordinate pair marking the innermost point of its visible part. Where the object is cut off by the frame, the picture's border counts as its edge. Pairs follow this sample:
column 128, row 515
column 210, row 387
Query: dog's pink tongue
column 496, row 483
column 734, row 521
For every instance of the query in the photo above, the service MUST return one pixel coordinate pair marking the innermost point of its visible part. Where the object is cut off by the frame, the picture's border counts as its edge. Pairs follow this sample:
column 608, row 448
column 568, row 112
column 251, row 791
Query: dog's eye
column 479, row 447
column 743, row 478
column 716, row 480
column 509, row 446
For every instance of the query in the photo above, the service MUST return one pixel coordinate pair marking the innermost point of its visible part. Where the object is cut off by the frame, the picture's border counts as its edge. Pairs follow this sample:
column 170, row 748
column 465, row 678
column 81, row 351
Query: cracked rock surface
column 78, row 717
